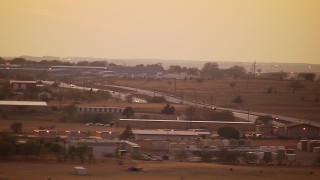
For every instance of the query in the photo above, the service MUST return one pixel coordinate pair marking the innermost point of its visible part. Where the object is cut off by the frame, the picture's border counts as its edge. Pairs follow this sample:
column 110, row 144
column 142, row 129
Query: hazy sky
column 210, row 30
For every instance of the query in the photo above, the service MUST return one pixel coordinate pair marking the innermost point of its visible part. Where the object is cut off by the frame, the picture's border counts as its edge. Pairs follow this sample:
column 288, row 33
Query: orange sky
column 210, row 30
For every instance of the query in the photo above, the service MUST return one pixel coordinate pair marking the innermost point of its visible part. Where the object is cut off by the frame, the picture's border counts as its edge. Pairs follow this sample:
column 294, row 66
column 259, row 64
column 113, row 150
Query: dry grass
column 152, row 170
column 254, row 92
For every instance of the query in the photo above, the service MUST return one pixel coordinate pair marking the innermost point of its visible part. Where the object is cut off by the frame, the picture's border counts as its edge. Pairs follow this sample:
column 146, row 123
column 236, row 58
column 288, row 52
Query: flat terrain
column 281, row 100
column 152, row 170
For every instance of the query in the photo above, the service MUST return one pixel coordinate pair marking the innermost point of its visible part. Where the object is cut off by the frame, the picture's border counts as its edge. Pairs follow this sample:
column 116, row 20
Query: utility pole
column 248, row 113
column 195, row 97
column 254, row 68
column 175, row 86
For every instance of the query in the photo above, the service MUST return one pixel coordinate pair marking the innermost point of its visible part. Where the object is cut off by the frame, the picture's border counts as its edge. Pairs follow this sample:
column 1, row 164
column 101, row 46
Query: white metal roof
column 162, row 132
column 23, row 103
column 28, row 82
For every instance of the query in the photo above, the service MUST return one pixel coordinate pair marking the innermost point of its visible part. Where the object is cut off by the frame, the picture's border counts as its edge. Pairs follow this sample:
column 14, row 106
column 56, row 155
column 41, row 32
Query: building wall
column 299, row 131
column 77, row 134
column 16, row 108
column 46, row 134
column 107, row 135
column 183, row 125
column 100, row 151
column 100, row 109
column 22, row 86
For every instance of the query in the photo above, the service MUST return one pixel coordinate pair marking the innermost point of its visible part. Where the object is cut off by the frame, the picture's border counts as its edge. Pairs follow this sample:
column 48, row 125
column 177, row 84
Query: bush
column 238, row 100
column 267, row 158
column 226, row 156
column 219, row 115
column 168, row 109
column 181, row 156
column 156, row 99
column 16, row 127
column 250, row 157
column 128, row 112
column 205, row 156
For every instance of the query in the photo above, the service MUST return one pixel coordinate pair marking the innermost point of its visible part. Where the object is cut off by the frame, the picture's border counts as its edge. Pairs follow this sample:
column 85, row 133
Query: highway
column 244, row 115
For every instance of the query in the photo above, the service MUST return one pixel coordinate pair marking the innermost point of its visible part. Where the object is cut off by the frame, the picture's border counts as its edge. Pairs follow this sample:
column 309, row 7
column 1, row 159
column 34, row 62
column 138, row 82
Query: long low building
column 172, row 135
column 184, row 125
column 102, row 147
column 23, row 106
column 100, row 109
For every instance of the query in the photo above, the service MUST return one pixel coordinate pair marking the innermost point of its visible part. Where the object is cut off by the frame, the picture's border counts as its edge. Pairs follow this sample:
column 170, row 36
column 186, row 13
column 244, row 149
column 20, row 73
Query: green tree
column 2, row 61
column 210, row 70
column 7, row 149
column 214, row 115
column 167, row 109
column 266, row 120
column 191, row 113
column 81, row 152
column 128, row 112
column 30, row 148
column 181, row 156
column 7, row 144
column 175, row 69
column 44, row 96
column 206, row 156
column 267, row 157
column 72, row 152
column 127, row 134
column 18, row 61
column 237, row 72
column 156, row 99
column 295, row 85
column 238, row 100
column 229, row 132
column 16, row 127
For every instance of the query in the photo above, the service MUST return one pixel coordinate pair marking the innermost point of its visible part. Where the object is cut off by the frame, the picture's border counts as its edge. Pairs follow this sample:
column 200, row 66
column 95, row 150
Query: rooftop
column 28, row 82
column 23, row 103
column 162, row 132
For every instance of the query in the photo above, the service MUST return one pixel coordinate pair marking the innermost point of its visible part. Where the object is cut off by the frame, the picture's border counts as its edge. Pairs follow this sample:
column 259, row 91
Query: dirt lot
column 152, row 170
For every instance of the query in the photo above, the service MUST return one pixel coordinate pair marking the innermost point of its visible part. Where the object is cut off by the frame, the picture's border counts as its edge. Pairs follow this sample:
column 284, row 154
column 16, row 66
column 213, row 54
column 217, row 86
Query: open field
column 281, row 101
column 152, row 170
